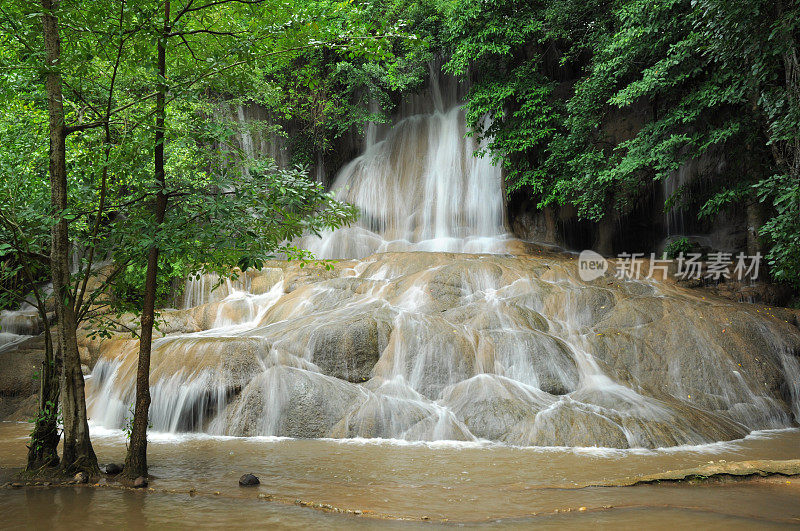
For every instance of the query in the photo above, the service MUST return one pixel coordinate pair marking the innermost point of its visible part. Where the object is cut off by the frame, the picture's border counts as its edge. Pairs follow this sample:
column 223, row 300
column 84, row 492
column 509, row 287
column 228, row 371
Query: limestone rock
column 349, row 349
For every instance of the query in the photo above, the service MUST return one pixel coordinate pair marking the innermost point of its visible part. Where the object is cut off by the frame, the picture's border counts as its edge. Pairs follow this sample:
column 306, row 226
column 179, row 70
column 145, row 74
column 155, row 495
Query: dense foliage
column 311, row 65
column 701, row 77
column 693, row 78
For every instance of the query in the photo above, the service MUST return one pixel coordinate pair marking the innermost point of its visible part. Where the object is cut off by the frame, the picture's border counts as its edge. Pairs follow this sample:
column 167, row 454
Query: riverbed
column 401, row 484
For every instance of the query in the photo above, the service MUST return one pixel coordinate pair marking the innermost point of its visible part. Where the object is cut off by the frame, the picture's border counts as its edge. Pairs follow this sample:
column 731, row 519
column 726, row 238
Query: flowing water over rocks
column 438, row 346
column 405, row 339
column 420, row 188
column 18, row 326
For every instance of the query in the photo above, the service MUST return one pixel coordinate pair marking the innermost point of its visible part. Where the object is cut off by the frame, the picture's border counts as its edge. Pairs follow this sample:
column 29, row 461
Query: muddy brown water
column 464, row 484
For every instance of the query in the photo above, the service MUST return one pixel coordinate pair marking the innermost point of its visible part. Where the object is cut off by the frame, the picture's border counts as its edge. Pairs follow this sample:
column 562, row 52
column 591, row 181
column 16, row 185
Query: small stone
column 216, row 493
column 113, row 469
column 264, row 496
column 581, row 509
column 16, row 485
column 193, row 492
column 248, row 480
column 81, row 477
column 357, row 511
column 140, row 482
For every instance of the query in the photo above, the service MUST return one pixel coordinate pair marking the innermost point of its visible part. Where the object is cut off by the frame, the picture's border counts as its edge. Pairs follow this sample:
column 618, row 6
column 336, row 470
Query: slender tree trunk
column 756, row 212
column 605, row 230
column 550, row 215
column 136, row 460
column 43, row 451
column 78, row 451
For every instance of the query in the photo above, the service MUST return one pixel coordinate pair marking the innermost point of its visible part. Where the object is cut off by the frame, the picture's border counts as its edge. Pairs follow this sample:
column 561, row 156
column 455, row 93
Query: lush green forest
column 116, row 135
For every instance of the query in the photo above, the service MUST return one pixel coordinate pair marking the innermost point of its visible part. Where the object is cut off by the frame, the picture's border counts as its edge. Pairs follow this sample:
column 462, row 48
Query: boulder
column 489, row 405
column 248, row 480
column 113, row 469
column 290, row 402
column 349, row 349
column 570, row 424
column 21, row 322
column 533, row 358
column 383, row 416
column 428, row 353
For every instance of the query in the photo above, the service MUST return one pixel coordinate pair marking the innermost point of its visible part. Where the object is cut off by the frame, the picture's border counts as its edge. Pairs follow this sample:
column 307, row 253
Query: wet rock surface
column 431, row 346
column 349, row 349
column 248, row 480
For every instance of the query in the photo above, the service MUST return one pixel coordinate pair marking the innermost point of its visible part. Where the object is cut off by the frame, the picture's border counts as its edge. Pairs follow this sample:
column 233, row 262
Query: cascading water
column 430, row 346
column 420, row 188
column 18, row 325
column 446, row 346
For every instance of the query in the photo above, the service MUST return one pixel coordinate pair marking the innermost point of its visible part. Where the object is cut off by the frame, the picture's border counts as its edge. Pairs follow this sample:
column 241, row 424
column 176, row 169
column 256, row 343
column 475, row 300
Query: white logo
column 591, row 265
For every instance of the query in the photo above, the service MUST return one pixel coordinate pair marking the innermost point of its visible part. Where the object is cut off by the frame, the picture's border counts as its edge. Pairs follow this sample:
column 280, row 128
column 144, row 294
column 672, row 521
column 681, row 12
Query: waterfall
column 420, row 188
column 246, row 137
column 428, row 329
column 427, row 346
column 18, row 325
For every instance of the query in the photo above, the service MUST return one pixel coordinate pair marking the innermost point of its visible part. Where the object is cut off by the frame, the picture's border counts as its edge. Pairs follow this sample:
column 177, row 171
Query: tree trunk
column 756, row 212
column 78, row 451
column 605, row 230
column 43, row 451
column 550, row 215
column 136, row 459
